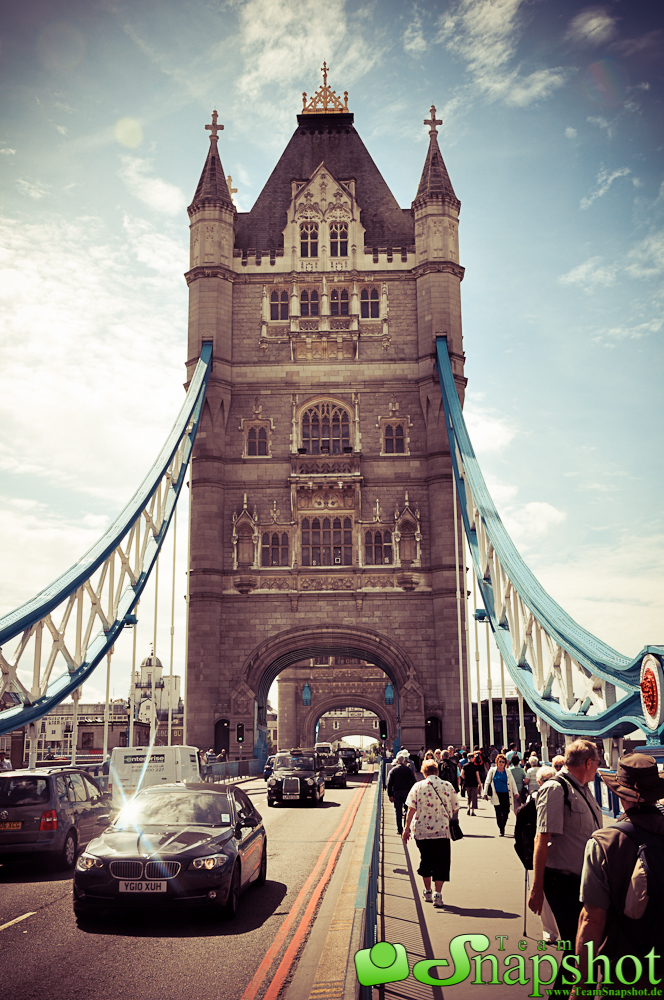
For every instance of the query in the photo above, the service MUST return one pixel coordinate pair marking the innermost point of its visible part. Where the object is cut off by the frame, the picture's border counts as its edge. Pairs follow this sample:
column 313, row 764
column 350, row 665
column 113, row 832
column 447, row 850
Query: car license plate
column 143, row 887
column 10, row 826
column 291, row 795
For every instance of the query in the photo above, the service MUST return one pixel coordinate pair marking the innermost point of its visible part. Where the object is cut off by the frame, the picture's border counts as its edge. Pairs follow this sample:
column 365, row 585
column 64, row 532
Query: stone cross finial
column 229, row 182
column 433, row 121
column 323, row 70
column 214, row 128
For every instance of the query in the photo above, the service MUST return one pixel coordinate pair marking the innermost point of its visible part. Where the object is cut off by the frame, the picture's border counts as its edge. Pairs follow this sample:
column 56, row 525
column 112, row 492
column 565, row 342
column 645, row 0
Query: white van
column 133, row 768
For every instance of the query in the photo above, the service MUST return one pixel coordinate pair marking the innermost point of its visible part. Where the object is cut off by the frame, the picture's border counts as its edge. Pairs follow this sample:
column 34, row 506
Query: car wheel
column 262, row 873
column 67, row 858
column 271, row 802
column 233, row 901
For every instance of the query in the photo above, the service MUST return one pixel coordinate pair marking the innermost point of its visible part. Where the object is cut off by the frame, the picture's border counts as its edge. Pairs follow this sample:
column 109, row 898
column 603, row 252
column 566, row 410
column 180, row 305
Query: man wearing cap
column 610, row 883
column 567, row 815
column 399, row 783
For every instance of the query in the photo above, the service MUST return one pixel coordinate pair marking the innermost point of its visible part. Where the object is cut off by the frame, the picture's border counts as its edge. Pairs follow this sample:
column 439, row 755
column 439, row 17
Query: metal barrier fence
column 230, row 769
column 366, row 897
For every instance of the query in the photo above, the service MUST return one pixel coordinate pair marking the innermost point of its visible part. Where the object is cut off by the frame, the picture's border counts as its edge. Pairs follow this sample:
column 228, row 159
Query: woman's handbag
column 456, row 833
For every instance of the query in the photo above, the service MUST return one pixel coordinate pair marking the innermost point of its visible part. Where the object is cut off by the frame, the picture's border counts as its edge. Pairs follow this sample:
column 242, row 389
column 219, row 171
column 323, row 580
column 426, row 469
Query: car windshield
column 23, row 791
column 301, row 763
column 174, row 809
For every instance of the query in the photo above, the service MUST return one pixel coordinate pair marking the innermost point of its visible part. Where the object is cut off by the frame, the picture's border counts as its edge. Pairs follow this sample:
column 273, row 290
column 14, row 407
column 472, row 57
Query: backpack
column 525, row 829
column 448, row 772
column 645, row 931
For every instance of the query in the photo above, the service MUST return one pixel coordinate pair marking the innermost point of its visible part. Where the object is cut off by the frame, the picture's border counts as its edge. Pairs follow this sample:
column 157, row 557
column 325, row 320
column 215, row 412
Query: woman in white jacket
column 500, row 786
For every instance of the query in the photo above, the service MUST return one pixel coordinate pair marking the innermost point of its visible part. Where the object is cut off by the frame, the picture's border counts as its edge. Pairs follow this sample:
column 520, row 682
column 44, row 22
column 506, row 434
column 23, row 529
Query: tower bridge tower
column 322, row 519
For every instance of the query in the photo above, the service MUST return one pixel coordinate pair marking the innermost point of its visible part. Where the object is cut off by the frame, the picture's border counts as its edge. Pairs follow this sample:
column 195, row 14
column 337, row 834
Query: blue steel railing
column 153, row 505
column 228, row 769
column 539, row 642
column 366, row 897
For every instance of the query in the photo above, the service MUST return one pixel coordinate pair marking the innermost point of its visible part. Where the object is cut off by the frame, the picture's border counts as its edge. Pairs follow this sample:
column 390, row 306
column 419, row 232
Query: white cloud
column 6, row 151
column 531, row 521
column 570, row 132
column 590, row 274
column 592, row 26
column 35, row 191
column 99, row 335
column 160, row 195
column 485, row 33
column 626, row 332
column 605, row 179
column 61, row 129
column 488, row 432
column 414, row 41
column 646, row 259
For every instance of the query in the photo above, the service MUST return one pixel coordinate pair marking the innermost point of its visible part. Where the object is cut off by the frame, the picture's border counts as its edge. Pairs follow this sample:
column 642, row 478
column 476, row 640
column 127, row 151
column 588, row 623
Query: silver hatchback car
column 52, row 811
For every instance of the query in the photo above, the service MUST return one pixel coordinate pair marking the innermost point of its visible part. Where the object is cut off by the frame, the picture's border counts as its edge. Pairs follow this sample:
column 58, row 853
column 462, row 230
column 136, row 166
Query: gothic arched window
column 256, row 441
column 369, row 304
column 377, row 548
column 279, row 305
column 309, row 239
column 306, row 695
column 327, row 541
column 339, row 302
column 325, row 429
column 394, row 439
column 338, row 239
column 309, row 303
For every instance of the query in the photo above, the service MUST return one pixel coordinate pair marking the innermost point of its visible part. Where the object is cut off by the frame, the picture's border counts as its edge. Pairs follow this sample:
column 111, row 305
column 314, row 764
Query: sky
column 552, row 136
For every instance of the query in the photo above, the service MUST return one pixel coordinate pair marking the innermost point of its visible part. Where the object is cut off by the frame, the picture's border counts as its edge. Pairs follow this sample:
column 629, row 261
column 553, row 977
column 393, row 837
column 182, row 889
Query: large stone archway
column 405, row 717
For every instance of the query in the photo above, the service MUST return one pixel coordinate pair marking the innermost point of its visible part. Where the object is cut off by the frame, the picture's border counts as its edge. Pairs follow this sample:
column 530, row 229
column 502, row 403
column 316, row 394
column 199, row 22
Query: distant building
column 149, row 684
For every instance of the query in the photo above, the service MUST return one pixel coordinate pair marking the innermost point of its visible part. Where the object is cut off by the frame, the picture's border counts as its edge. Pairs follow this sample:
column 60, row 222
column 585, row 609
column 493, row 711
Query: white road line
column 16, row 920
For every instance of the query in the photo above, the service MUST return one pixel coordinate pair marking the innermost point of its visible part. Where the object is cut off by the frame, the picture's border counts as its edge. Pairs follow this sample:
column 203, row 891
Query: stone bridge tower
column 322, row 520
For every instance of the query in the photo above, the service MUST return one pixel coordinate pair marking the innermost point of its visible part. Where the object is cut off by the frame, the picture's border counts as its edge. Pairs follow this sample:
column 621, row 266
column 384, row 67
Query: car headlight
column 340, row 774
column 87, row 861
column 271, row 781
column 310, row 781
column 210, row 862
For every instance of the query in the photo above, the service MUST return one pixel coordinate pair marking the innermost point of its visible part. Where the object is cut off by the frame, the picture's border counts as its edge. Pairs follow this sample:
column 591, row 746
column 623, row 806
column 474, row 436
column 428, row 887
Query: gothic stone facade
column 322, row 518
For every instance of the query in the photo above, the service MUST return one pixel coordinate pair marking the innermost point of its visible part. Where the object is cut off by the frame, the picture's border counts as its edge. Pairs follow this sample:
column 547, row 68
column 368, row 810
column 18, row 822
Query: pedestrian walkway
column 485, row 896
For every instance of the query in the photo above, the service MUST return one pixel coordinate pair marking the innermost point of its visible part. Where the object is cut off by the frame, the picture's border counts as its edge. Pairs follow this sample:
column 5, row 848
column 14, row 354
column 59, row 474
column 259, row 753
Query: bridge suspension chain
column 573, row 681
column 75, row 622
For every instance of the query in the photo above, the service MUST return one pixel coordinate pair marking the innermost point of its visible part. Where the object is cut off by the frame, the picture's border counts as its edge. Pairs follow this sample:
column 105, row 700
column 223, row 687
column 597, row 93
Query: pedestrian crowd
column 600, row 888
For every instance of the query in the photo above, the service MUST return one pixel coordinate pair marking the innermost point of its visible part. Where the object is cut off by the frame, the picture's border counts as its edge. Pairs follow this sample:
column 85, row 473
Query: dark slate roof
column 435, row 181
column 332, row 139
column 212, row 187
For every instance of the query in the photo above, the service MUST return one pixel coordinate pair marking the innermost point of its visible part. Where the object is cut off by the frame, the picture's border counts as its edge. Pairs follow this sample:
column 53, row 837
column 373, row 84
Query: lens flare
column 605, row 83
column 128, row 132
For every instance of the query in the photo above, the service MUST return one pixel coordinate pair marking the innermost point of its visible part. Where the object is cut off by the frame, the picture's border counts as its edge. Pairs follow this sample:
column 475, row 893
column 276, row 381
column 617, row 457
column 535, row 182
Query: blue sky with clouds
column 552, row 136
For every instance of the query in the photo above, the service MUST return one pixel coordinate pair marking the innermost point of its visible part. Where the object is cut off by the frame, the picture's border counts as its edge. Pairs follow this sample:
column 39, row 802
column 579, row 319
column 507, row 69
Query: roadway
column 169, row 956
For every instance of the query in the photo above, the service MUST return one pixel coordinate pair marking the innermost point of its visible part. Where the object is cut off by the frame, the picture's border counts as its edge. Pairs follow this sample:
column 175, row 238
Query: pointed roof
column 328, row 138
column 212, row 187
column 435, row 183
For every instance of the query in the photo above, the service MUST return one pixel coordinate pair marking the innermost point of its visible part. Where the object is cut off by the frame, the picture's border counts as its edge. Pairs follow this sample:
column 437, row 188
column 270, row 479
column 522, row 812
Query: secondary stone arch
column 293, row 645
column 354, row 700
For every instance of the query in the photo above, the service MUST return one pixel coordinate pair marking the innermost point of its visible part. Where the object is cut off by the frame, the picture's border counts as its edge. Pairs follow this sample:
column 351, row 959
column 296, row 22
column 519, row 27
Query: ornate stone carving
column 276, row 583
column 326, row 583
column 378, row 582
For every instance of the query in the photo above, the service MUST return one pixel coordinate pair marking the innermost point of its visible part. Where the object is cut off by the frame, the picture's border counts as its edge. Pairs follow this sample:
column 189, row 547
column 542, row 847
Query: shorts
column 435, row 859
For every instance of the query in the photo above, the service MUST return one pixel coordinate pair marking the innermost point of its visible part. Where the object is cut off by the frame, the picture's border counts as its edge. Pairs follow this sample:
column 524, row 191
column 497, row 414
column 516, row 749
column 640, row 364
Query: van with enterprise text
column 134, row 768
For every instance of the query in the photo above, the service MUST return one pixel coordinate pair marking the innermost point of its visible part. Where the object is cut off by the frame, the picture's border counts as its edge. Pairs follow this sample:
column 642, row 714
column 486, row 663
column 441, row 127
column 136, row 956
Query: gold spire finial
column 231, row 189
column 433, row 121
column 214, row 128
column 325, row 100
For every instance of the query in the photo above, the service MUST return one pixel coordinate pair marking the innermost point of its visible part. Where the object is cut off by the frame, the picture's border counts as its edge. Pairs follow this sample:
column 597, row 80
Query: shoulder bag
column 456, row 833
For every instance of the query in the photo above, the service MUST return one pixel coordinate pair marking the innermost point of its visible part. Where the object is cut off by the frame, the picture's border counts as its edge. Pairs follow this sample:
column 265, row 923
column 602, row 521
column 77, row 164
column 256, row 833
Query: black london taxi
column 298, row 776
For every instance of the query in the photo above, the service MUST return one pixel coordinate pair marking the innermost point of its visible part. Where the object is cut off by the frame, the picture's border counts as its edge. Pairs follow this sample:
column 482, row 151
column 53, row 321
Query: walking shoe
column 502, row 833
column 438, row 900
column 426, row 894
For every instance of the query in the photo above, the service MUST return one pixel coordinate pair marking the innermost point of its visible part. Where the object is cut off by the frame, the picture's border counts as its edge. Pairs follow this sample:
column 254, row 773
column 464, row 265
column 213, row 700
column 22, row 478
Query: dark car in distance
column 173, row 845
column 335, row 771
column 351, row 760
column 298, row 776
column 52, row 812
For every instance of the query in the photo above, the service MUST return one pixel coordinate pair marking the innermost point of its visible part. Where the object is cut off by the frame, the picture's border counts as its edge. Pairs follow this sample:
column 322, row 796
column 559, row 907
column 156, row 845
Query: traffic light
column 240, row 732
column 382, row 729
